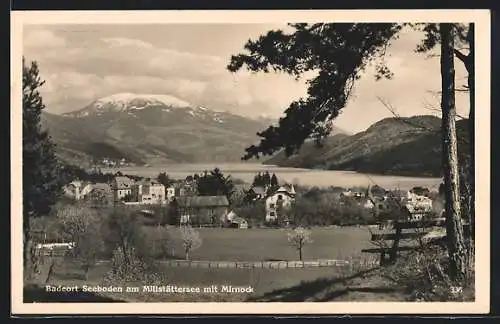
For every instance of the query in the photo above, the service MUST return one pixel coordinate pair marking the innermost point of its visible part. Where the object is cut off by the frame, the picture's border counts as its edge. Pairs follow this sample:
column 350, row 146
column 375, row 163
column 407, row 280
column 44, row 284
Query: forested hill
column 408, row 146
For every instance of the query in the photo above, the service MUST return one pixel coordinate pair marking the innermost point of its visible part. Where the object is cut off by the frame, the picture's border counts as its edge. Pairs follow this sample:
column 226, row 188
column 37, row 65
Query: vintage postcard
column 250, row 162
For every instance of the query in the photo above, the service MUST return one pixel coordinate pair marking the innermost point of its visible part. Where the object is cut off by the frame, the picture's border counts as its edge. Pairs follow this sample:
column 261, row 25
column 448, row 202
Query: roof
column 287, row 188
column 148, row 182
column 202, row 201
column 79, row 184
column 232, row 214
column 238, row 220
column 259, row 190
column 122, row 182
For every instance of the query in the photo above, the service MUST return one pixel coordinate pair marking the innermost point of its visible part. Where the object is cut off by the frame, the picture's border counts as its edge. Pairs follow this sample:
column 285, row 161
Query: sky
column 83, row 62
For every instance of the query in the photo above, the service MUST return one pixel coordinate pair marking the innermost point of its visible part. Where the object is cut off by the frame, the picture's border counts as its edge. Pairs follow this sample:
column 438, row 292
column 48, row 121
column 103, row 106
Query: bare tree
column 298, row 238
column 191, row 239
column 454, row 230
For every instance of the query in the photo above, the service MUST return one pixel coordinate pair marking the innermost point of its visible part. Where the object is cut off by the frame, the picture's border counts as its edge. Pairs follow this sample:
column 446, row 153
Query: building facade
column 148, row 192
column 180, row 190
column 282, row 198
column 202, row 210
column 122, row 188
column 77, row 189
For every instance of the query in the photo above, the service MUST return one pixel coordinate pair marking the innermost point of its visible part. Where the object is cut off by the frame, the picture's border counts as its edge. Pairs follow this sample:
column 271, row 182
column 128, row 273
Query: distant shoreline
column 300, row 177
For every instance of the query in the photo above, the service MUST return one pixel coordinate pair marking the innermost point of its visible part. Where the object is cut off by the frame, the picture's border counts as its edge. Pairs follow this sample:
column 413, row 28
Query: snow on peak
column 124, row 99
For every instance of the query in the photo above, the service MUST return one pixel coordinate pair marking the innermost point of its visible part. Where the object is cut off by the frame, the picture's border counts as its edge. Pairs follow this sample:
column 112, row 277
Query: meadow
column 235, row 245
column 269, row 244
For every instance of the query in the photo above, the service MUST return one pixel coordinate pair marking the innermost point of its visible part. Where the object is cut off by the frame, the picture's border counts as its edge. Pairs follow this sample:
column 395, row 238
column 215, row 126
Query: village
column 218, row 210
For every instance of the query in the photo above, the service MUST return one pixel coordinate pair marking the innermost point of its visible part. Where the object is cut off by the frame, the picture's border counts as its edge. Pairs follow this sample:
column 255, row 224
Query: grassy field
column 271, row 244
column 238, row 245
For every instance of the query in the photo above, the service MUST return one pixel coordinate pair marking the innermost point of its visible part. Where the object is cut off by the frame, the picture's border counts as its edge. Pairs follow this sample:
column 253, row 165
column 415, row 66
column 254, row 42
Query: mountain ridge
column 148, row 129
column 406, row 146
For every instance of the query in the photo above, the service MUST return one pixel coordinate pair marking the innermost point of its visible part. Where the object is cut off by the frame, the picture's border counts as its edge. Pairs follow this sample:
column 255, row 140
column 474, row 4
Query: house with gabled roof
column 202, row 210
column 122, row 187
column 281, row 198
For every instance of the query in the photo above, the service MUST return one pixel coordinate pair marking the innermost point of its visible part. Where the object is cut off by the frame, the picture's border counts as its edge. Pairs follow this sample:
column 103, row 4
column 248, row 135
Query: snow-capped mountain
column 130, row 103
column 150, row 128
column 122, row 102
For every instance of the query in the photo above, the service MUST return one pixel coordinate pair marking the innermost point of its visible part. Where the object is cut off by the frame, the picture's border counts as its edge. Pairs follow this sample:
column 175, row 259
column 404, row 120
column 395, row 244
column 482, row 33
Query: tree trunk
column 124, row 246
column 86, row 269
column 472, row 98
column 300, row 253
column 27, row 266
column 454, row 230
column 51, row 270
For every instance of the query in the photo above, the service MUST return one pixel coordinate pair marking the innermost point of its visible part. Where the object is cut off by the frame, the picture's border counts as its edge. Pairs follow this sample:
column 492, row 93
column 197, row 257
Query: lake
column 297, row 176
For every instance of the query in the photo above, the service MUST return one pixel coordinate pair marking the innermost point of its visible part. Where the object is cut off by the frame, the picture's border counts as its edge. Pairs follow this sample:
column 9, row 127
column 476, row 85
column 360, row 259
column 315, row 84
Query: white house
column 236, row 221
column 122, row 187
column 78, row 189
column 417, row 206
column 283, row 197
column 180, row 190
column 148, row 192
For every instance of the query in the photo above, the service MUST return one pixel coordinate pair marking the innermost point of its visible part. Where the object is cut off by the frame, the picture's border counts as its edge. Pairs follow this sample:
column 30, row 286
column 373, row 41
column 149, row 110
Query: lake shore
column 297, row 176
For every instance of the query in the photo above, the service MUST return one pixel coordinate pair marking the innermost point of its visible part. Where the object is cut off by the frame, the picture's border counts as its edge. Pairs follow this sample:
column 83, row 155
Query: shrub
column 127, row 266
column 424, row 273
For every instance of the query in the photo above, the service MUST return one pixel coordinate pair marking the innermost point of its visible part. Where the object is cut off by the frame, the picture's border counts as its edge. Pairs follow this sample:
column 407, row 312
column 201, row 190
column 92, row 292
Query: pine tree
column 42, row 180
column 266, row 178
column 454, row 231
column 274, row 181
column 215, row 184
column 339, row 51
column 464, row 38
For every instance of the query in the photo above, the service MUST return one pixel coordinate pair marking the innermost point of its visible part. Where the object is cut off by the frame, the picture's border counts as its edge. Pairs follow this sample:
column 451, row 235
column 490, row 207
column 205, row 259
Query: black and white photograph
column 266, row 162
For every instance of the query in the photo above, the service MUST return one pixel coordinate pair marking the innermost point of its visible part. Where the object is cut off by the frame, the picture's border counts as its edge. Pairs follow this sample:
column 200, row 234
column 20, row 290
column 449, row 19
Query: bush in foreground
column 424, row 273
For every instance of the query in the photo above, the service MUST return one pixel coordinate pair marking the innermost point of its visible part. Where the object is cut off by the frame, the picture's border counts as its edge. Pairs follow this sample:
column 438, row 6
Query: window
column 272, row 213
column 271, row 206
column 280, row 196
